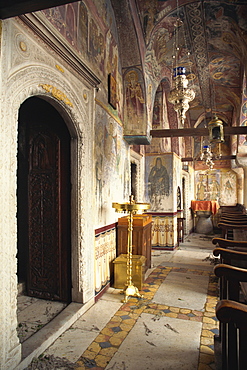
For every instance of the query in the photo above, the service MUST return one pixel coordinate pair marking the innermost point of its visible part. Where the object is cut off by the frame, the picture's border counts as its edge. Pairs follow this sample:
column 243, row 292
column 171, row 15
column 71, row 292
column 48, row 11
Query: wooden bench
column 234, row 315
column 231, row 278
column 233, row 287
column 232, row 218
column 230, row 244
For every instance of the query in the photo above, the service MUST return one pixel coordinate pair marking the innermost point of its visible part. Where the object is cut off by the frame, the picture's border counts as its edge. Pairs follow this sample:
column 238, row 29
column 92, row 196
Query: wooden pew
column 231, row 226
column 230, row 244
column 232, row 286
column 231, row 217
column 234, row 314
column 238, row 208
column 231, row 278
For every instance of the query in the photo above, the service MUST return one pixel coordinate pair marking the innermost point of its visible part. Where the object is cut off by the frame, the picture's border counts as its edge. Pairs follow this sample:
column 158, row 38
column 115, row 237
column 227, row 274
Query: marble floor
column 171, row 328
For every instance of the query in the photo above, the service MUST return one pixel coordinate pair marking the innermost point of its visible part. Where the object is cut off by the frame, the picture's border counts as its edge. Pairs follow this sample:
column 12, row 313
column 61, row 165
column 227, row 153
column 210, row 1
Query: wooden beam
column 223, row 158
column 239, row 130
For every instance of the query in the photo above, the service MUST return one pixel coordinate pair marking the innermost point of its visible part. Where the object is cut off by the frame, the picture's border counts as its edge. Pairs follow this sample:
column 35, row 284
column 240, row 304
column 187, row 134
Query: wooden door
column 44, row 201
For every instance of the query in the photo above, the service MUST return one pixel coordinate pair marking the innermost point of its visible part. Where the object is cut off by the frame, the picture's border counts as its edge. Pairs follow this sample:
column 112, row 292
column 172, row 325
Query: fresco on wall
column 93, row 37
column 158, row 109
column 159, row 177
column 111, row 165
column 217, row 185
column 135, row 102
column 208, row 187
column 228, row 188
column 242, row 139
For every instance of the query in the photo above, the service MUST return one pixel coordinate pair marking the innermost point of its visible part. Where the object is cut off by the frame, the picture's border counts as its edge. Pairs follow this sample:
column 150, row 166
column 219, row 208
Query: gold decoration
column 23, row 46
column 59, row 68
column 180, row 96
column 56, row 93
column 131, row 208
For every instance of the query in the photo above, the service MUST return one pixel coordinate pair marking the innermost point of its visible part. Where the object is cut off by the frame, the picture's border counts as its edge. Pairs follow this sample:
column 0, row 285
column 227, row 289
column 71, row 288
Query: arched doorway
column 43, row 201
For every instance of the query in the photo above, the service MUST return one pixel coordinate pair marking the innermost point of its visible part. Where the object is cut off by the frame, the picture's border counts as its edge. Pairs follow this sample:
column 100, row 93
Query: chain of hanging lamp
column 180, row 95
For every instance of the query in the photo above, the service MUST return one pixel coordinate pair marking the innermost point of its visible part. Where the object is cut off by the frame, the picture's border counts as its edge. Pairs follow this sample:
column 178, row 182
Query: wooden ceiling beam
column 223, row 158
column 239, row 130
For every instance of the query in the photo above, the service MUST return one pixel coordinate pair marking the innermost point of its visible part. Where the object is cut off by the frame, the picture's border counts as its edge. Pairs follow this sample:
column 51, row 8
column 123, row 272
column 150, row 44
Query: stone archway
column 77, row 115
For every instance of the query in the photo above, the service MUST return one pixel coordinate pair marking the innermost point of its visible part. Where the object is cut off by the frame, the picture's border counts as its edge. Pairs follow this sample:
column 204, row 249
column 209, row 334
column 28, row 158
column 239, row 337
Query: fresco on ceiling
column 159, row 180
column 225, row 24
column 225, row 70
column 216, row 185
column 135, row 112
column 111, row 164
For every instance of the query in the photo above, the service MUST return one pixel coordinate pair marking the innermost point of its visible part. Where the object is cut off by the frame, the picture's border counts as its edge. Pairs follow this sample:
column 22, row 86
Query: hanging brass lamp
column 180, row 96
column 216, row 130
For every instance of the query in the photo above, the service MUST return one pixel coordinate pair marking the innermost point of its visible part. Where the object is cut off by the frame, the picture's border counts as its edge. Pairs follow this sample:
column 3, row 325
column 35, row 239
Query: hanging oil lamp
column 216, row 132
column 180, row 96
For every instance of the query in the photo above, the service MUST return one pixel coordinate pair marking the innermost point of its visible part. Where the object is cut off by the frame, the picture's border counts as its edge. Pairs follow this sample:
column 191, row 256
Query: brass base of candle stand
column 131, row 291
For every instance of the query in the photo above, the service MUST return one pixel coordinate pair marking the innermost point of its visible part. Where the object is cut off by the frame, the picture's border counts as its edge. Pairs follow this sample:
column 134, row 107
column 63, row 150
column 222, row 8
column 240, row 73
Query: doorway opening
column 43, row 207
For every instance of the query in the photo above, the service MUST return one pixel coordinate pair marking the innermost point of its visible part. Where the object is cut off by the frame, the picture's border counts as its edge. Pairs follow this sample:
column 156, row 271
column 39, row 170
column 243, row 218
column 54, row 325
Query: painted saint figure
column 158, row 181
column 201, row 189
column 134, row 97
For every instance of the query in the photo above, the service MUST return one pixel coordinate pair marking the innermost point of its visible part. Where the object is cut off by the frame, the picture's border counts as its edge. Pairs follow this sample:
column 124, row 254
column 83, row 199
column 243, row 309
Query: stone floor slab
column 184, row 290
column 171, row 344
column 95, row 317
column 75, row 340
column 72, row 344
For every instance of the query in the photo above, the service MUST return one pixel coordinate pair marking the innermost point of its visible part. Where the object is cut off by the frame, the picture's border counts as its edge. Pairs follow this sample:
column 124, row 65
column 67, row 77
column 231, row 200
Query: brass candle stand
column 131, row 208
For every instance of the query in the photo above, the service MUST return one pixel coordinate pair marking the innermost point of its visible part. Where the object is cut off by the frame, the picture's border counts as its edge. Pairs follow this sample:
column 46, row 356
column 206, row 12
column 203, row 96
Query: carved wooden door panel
column 48, row 210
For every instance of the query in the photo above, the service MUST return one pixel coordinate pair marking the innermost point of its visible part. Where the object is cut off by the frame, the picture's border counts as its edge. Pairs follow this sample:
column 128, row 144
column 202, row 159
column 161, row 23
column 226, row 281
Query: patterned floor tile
column 100, row 352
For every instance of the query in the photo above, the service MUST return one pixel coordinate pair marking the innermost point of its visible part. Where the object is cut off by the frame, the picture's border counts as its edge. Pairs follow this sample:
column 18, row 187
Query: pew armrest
column 231, row 273
column 228, row 311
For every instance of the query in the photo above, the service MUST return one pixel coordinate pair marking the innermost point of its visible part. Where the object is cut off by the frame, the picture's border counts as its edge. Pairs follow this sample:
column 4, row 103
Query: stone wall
column 30, row 68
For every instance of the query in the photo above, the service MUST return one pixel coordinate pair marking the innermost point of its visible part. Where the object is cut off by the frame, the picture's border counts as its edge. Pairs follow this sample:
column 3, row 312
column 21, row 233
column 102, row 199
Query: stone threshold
column 41, row 340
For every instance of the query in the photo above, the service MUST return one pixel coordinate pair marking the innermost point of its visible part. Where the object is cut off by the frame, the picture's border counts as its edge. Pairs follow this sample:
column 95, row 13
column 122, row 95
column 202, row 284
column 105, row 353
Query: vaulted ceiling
column 212, row 40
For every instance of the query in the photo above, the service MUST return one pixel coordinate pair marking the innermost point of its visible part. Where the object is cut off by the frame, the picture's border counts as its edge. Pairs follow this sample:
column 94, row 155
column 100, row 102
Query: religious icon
column 158, row 181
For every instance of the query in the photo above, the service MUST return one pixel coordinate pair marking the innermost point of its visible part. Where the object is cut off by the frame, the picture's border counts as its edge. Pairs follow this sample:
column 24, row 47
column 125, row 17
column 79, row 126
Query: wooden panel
column 141, row 237
column 43, row 189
